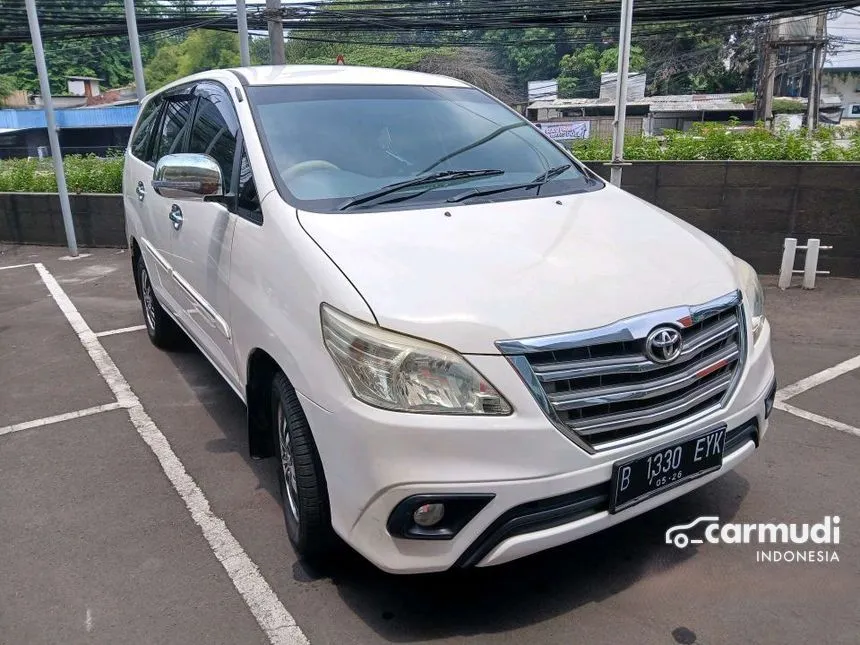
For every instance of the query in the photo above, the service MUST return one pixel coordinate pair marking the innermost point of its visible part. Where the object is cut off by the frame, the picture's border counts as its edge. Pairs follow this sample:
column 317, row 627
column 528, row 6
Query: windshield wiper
column 421, row 180
column 552, row 173
column 537, row 182
column 495, row 133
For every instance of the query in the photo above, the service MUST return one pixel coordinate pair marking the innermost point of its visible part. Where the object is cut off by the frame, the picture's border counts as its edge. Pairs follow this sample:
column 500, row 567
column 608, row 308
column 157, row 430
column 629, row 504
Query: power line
column 60, row 19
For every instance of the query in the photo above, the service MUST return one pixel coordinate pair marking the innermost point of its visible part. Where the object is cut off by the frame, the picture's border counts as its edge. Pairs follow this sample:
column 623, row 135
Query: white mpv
column 461, row 345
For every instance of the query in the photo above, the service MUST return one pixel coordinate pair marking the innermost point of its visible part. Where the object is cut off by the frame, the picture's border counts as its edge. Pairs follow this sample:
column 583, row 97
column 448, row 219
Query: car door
column 170, row 137
column 137, row 174
column 202, row 238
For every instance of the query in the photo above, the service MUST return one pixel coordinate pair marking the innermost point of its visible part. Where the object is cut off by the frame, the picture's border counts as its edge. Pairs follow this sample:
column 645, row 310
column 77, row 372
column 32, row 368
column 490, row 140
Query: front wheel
column 162, row 330
column 304, row 495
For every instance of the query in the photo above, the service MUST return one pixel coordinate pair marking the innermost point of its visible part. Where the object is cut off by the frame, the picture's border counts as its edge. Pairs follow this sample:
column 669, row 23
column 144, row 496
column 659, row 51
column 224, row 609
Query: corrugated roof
column 96, row 117
column 671, row 103
column 576, row 103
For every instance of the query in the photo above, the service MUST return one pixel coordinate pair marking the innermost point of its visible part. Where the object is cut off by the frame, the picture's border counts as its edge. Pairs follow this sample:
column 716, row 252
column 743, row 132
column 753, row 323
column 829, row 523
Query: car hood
column 470, row 275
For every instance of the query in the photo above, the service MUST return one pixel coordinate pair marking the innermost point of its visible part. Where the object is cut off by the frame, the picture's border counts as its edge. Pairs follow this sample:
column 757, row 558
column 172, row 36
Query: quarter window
column 247, row 199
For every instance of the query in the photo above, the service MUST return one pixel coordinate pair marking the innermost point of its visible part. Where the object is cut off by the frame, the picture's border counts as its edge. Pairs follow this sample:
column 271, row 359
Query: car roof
column 339, row 75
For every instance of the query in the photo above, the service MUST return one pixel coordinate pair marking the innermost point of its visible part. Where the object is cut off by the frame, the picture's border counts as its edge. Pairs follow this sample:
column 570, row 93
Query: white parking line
column 271, row 615
column 124, row 330
column 59, row 418
column 817, row 418
column 810, row 382
column 817, row 379
column 16, row 266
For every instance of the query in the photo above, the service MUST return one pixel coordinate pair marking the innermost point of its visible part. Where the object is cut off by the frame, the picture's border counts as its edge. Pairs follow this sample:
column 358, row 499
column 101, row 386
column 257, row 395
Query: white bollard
column 789, row 250
column 811, row 265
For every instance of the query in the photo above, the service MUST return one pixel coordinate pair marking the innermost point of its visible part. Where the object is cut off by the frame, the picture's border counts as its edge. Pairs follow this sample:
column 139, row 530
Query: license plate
column 638, row 478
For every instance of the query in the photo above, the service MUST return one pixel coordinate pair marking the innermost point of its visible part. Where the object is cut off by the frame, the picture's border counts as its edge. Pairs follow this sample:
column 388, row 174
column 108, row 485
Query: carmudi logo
column 824, row 535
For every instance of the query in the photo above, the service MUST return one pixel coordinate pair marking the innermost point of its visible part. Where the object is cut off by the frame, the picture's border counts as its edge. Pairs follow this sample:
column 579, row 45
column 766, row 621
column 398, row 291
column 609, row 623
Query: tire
column 304, row 495
column 163, row 331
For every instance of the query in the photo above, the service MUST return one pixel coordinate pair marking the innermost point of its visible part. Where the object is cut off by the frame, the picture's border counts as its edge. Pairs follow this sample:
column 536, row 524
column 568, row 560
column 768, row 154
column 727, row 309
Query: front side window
column 362, row 147
column 174, row 123
column 214, row 132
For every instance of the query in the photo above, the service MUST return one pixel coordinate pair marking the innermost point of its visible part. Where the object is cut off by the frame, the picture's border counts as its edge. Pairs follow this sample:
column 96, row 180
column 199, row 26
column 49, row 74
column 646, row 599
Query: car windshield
column 366, row 147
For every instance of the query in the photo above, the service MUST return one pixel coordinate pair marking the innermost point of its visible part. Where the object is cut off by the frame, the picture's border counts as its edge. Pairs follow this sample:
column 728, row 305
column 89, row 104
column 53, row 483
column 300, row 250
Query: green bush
column 84, row 174
column 718, row 141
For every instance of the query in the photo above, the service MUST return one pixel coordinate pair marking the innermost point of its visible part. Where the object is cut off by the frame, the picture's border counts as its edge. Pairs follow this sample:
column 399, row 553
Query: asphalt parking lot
column 119, row 462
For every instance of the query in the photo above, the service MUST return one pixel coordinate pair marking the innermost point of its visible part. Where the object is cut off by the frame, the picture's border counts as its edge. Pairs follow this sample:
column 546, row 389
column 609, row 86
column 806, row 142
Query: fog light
column 428, row 515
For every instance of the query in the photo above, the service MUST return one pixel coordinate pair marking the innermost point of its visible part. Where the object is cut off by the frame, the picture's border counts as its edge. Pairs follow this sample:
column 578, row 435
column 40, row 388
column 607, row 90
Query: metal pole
column 620, row 123
column 242, row 21
column 134, row 43
column 814, row 102
column 48, row 103
column 767, row 74
column 276, row 32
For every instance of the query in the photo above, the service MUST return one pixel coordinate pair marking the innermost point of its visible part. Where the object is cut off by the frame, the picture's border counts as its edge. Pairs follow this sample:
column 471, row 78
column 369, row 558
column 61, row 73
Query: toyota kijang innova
column 461, row 345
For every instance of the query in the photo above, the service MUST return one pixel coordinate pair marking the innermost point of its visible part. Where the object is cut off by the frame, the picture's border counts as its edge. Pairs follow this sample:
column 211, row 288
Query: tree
column 527, row 55
column 704, row 57
column 106, row 58
column 471, row 65
column 580, row 71
column 203, row 49
column 401, row 51
column 7, row 86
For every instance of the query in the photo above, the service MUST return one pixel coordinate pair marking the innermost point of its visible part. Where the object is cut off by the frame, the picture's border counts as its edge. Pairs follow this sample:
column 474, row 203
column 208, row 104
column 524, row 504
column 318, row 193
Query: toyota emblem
column 663, row 344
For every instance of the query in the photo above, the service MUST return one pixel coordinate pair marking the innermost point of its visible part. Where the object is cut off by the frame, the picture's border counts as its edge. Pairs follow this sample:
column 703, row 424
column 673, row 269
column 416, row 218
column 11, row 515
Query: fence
column 752, row 206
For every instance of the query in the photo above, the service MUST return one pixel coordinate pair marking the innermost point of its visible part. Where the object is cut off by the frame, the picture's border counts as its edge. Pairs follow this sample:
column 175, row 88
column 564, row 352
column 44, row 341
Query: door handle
column 176, row 217
column 140, row 190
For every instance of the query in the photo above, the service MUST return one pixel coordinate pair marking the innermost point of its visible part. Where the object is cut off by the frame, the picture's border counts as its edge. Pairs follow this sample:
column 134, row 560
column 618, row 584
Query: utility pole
column 242, row 22
column 48, row 104
column 276, row 32
column 764, row 98
column 620, row 123
column 814, row 102
column 134, row 45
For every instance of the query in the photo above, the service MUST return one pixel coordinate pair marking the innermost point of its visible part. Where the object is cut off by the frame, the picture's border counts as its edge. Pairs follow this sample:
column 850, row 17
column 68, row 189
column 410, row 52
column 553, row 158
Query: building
column 88, row 130
column 89, row 120
column 841, row 72
column 648, row 115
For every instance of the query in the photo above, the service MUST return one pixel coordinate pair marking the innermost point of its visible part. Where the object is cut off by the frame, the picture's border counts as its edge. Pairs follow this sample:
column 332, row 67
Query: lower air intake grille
column 638, row 377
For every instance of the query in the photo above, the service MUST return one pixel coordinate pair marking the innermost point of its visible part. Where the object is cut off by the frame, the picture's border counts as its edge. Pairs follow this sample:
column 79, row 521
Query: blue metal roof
column 95, row 117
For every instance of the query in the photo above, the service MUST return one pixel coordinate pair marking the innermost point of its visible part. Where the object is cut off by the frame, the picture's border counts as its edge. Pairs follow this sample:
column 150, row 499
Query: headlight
column 401, row 373
column 753, row 295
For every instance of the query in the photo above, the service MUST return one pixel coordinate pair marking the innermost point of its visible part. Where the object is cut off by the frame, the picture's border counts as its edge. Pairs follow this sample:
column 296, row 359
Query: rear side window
column 214, row 132
column 145, row 126
column 174, row 124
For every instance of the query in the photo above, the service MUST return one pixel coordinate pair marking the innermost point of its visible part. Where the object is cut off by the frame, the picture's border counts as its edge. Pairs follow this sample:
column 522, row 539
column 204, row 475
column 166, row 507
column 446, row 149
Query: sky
column 845, row 26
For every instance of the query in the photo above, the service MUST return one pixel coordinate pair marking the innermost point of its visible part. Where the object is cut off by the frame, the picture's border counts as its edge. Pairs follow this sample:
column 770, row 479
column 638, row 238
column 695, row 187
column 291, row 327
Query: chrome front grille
column 602, row 390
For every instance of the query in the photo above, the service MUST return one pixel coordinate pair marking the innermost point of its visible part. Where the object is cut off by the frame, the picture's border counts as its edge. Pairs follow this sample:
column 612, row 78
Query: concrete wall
column 35, row 218
column 748, row 206
column 752, row 206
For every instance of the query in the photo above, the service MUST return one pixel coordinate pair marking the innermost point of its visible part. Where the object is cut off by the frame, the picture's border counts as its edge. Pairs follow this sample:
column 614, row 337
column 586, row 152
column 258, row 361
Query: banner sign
column 563, row 131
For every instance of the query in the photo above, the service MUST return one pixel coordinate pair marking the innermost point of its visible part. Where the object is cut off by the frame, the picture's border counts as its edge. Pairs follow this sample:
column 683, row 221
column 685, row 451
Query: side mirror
column 187, row 176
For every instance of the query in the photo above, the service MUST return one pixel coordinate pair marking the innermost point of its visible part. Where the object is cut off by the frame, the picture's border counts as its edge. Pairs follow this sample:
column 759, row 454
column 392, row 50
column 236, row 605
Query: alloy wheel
column 287, row 463
column 148, row 299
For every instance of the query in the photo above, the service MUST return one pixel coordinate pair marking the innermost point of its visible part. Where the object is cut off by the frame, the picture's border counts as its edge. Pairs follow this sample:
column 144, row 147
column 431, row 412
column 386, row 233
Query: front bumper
column 374, row 459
